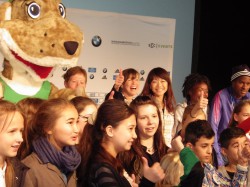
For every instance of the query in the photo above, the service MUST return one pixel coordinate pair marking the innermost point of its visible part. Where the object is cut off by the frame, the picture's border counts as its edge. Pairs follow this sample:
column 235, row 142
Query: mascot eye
column 34, row 10
column 62, row 10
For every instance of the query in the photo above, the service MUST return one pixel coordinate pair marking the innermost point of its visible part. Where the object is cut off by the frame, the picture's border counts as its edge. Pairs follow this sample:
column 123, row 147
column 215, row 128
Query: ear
column 49, row 132
column 189, row 145
column 235, row 117
column 109, row 130
column 65, row 84
column 223, row 151
column 5, row 11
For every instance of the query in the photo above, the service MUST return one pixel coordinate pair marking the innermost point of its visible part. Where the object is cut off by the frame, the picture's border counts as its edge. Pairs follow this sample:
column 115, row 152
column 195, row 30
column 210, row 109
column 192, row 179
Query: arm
column 214, row 118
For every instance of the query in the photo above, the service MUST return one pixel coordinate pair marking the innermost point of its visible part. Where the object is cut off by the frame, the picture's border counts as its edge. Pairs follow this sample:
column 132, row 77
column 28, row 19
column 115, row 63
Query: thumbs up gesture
column 154, row 173
column 119, row 80
column 202, row 101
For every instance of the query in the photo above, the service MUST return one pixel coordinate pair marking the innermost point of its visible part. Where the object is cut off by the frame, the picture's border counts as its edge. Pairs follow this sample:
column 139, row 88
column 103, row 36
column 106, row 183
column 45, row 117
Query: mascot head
column 35, row 38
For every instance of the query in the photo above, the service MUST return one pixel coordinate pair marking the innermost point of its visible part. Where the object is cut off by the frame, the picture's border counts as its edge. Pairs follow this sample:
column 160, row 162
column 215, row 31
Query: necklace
column 151, row 150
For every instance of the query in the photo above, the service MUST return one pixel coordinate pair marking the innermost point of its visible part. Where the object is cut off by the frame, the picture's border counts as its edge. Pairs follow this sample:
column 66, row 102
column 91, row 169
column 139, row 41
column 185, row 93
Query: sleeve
column 104, row 177
column 214, row 118
column 240, row 177
column 146, row 183
column 188, row 159
column 179, row 110
column 117, row 94
column 30, row 179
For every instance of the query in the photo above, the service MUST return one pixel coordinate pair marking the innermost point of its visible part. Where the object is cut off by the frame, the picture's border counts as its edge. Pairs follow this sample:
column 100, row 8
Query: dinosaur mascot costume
column 35, row 38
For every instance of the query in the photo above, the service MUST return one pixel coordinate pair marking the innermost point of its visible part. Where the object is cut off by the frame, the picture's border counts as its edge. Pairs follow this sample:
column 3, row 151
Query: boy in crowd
column 197, row 158
column 230, row 140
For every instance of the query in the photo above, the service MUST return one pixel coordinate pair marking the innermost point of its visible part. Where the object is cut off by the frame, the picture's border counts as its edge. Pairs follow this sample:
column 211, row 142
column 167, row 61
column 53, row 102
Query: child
column 192, row 87
column 112, row 133
column 54, row 134
column 230, row 140
column 28, row 106
column 149, row 143
column 173, row 170
column 12, row 171
column 158, row 85
column 86, row 109
column 197, row 156
column 241, row 112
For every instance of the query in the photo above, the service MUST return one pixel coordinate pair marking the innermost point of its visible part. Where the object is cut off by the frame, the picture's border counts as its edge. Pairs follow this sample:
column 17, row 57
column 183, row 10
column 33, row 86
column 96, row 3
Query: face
column 241, row 86
column 196, row 91
column 65, row 131
column 159, row 86
column 131, row 87
column 203, row 149
column 232, row 151
column 11, row 136
column 147, row 121
column 243, row 114
column 75, row 81
column 123, row 135
column 83, row 117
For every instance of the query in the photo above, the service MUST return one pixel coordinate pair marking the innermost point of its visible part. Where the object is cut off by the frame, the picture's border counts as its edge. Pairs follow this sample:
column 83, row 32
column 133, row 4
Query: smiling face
column 147, row 121
column 122, row 136
column 131, row 87
column 159, row 86
column 65, row 130
column 11, row 135
column 195, row 92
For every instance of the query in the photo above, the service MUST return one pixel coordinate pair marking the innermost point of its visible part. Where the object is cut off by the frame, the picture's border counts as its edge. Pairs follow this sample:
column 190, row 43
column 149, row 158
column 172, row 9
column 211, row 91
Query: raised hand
column 119, row 80
column 177, row 144
column 202, row 101
column 243, row 154
column 154, row 173
column 111, row 95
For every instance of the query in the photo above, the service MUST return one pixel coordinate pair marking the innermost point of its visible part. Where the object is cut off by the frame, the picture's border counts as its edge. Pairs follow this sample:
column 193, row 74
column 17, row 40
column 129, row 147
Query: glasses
column 84, row 118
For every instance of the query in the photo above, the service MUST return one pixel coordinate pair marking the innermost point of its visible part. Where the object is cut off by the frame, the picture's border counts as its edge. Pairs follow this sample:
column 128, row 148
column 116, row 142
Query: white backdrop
column 128, row 41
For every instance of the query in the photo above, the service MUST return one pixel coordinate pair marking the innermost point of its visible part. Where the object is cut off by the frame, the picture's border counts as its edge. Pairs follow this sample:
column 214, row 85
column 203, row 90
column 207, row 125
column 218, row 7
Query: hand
column 202, row 101
column 177, row 144
column 133, row 184
column 111, row 95
column 119, row 80
column 243, row 155
column 154, row 173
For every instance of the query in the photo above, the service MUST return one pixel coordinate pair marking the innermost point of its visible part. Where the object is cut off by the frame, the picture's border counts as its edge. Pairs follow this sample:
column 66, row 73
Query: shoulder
column 31, row 160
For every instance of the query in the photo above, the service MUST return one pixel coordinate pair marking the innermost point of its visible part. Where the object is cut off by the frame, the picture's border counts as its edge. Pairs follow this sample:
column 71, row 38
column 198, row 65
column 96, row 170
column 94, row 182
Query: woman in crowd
column 126, row 86
column 112, row 133
column 54, row 134
column 192, row 89
column 12, row 171
column 158, row 85
column 149, row 143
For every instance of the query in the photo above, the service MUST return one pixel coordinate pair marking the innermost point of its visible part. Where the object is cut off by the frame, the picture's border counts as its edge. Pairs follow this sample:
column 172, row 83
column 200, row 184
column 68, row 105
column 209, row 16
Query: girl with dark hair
column 149, row 143
column 112, row 133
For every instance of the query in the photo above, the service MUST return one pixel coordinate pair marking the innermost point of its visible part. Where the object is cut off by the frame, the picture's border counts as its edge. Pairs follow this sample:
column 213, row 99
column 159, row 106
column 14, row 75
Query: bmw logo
column 96, row 41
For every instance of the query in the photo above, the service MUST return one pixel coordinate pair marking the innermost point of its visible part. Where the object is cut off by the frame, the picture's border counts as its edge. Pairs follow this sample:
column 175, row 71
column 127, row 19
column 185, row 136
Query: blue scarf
column 66, row 160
